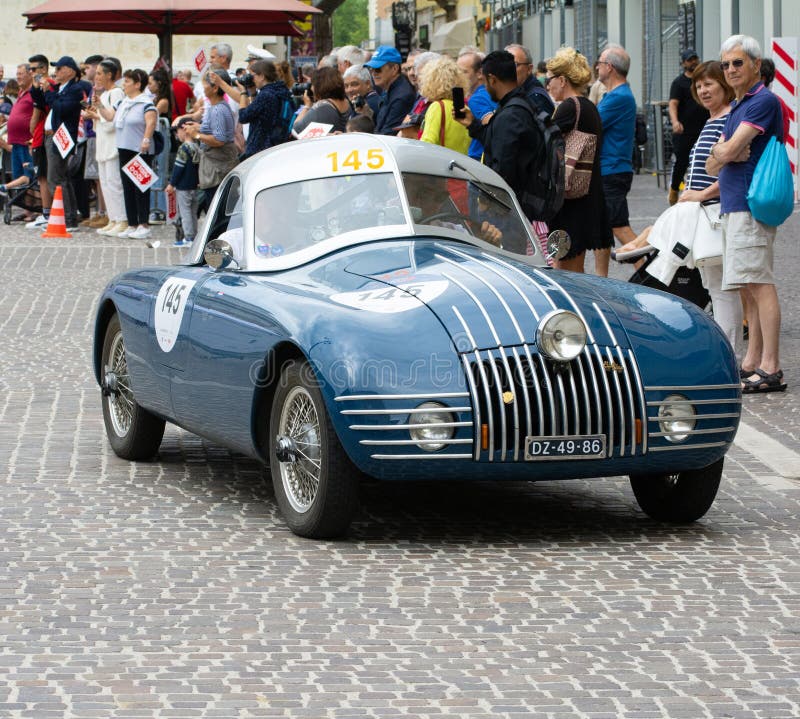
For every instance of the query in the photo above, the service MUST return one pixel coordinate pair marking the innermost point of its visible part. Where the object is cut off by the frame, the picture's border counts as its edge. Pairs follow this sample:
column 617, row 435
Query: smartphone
column 85, row 104
column 458, row 102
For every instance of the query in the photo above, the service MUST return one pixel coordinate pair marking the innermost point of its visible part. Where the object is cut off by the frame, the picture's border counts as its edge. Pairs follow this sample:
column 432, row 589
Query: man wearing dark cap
column 398, row 93
column 687, row 118
column 65, row 108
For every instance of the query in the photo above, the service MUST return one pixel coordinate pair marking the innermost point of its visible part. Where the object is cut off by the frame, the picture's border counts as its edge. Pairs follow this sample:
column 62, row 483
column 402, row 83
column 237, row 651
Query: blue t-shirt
column 481, row 104
column 760, row 109
column 618, row 112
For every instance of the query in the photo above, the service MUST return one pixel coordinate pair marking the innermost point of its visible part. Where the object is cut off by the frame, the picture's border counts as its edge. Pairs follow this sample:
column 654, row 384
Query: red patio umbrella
column 166, row 18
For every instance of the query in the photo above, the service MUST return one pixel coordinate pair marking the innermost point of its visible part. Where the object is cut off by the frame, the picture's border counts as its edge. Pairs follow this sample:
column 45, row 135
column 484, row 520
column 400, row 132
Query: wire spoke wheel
column 300, row 423
column 315, row 483
column 133, row 432
column 121, row 404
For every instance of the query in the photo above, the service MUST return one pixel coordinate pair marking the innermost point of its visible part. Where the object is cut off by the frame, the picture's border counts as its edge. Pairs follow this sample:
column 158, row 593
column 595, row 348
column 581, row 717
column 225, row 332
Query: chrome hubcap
column 299, row 455
column 118, row 396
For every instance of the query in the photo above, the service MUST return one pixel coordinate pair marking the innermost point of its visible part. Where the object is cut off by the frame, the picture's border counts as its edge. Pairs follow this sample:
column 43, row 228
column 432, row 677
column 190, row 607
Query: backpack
column 283, row 123
column 641, row 129
column 544, row 195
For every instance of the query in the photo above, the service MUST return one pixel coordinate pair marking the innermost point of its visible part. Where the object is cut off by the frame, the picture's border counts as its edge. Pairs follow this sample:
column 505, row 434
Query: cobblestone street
column 174, row 589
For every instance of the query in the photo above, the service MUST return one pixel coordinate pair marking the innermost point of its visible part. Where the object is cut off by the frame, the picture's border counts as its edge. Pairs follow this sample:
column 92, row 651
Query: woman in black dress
column 584, row 218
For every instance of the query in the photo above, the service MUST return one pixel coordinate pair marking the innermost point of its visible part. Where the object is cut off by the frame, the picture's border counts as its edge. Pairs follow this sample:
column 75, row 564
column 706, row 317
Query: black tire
column 317, row 492
column 678, row 498
column 133, row 432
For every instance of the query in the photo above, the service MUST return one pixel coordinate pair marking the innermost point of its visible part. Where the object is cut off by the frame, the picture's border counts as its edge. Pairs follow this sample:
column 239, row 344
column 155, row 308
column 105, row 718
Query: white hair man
column 358, row 87
column 348, row 56
column 747, row 255
column 618, row 112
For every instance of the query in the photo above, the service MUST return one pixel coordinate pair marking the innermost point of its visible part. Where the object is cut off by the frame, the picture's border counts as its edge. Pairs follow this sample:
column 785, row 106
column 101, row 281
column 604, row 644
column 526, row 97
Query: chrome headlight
column 676, row 415
column 428, row 430
column 561, row 335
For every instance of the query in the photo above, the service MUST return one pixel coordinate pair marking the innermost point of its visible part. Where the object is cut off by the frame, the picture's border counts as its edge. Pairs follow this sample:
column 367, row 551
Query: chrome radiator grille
column 516, row 393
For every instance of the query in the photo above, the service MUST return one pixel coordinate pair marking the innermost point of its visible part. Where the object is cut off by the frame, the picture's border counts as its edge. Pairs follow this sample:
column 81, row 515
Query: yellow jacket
column 456, row 136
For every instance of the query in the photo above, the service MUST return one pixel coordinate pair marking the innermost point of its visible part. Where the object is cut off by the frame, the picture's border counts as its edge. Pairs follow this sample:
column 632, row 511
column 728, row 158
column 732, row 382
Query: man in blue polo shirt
column 747, row 246
column 398, row 93
column 618, row 113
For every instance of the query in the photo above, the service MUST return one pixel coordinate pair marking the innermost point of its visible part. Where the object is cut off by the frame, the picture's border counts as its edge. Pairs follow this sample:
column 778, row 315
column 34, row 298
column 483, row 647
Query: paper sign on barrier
column 63, row 140
column 201, row 61
column 140, row 173
column 172, row 207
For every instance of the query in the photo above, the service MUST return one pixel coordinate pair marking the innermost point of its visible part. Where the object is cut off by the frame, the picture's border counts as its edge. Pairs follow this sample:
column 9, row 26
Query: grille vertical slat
column 524, row 385
column 488, row 400
column 642, row 401
column 630, row 401
column 606, row 390
column 476, row 410
column 582, row 363
column 617, row 395
column 548, row 398
column 537, row 390
column 501, row 404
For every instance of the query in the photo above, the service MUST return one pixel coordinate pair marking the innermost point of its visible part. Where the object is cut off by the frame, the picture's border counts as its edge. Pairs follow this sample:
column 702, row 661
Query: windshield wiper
column 480, row 185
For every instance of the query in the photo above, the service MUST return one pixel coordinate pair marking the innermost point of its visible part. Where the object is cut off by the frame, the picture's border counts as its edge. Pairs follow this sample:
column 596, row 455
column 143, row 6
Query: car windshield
column 291, row 217
column 297, row 215
column 468, row 206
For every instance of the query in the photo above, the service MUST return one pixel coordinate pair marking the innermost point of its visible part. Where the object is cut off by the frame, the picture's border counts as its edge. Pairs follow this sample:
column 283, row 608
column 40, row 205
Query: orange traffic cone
column 57, row 224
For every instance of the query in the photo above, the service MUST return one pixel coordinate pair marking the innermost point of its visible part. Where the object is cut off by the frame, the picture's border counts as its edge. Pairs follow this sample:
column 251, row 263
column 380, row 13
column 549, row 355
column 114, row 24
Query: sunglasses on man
column 737, row 63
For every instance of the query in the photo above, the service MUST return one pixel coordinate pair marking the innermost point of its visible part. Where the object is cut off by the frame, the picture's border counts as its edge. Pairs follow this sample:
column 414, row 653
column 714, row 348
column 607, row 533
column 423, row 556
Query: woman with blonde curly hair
column 584, row 218
column 439, row 77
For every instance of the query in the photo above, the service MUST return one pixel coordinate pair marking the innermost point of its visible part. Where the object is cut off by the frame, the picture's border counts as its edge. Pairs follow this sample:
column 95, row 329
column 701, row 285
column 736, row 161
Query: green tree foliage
column 350, row 23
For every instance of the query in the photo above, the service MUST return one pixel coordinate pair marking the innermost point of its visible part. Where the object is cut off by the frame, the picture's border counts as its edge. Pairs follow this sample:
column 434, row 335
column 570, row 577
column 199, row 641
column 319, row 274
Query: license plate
column 567, row 446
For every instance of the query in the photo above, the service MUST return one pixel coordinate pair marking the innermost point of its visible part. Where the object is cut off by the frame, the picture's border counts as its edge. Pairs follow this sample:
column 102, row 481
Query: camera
column 359, row 102
column 247, row 80
column 301, row 88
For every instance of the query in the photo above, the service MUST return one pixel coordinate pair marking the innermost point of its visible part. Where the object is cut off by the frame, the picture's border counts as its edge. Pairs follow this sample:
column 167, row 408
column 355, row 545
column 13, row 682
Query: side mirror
column 218, row 255
column 558, row 244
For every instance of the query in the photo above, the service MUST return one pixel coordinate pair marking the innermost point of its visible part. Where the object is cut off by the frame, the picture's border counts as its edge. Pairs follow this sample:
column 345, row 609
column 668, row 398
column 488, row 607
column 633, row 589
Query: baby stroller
column 686, row 283
column 26, row 197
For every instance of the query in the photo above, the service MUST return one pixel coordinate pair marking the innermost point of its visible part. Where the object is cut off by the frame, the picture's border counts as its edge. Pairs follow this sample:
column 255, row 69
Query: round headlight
column 677, row 416
column 427, row 430
column 561, row 335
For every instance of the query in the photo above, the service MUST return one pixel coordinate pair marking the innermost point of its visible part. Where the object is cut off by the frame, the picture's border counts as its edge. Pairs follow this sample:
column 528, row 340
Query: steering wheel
column 449, row 215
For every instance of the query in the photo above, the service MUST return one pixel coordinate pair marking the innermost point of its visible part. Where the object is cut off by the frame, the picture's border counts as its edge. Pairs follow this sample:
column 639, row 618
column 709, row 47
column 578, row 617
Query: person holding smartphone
column 443, row 80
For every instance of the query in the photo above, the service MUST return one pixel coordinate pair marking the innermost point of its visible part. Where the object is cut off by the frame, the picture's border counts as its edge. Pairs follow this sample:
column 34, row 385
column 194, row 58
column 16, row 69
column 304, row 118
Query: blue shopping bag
column 771, row 193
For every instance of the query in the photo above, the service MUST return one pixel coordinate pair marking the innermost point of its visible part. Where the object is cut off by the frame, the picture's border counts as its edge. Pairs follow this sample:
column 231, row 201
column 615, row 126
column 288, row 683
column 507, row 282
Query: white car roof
column 332, row 155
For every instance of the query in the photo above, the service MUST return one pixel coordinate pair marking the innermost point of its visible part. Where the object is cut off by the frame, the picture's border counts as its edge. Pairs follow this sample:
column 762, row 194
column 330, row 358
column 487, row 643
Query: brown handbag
column 579, row 158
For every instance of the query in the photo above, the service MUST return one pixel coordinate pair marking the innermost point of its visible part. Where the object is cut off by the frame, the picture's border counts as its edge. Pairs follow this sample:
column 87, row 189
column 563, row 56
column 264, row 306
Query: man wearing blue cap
column 398, row 93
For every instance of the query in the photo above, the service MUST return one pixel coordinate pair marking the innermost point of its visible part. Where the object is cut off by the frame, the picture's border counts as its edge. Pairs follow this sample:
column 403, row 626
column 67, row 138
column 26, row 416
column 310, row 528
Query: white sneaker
column 125, row 233
column 40, row 221
column 140, row 233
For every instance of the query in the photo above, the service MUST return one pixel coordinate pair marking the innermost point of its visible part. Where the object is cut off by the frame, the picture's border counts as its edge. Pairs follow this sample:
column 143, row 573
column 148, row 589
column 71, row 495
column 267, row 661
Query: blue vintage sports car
column 361, row 305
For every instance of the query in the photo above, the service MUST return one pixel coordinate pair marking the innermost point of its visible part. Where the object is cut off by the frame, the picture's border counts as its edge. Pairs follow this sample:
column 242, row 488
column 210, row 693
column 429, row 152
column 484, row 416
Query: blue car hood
column 487, row 300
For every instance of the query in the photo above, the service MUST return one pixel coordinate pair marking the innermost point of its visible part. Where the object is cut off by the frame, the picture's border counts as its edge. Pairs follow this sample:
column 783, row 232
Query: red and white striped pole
column 786, row 56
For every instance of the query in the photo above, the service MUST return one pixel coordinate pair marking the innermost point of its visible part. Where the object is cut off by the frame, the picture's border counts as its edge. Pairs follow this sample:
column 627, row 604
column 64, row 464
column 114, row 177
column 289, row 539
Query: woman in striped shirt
column 710, row 89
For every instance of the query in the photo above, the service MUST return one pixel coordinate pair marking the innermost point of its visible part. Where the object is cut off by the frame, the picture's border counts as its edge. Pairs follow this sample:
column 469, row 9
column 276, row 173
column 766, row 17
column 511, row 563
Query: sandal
column 765, row 382
column 745, row 373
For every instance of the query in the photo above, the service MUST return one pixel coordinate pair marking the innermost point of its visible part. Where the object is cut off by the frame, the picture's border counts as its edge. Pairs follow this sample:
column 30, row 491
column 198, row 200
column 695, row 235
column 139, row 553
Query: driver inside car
column 431, row 203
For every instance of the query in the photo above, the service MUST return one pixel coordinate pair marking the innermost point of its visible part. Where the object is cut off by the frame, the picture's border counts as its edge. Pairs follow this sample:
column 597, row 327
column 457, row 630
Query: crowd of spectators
column 113, row 115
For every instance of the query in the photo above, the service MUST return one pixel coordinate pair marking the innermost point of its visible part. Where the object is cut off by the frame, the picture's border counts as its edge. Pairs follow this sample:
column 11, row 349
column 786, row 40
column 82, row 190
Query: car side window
column 228, row 215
